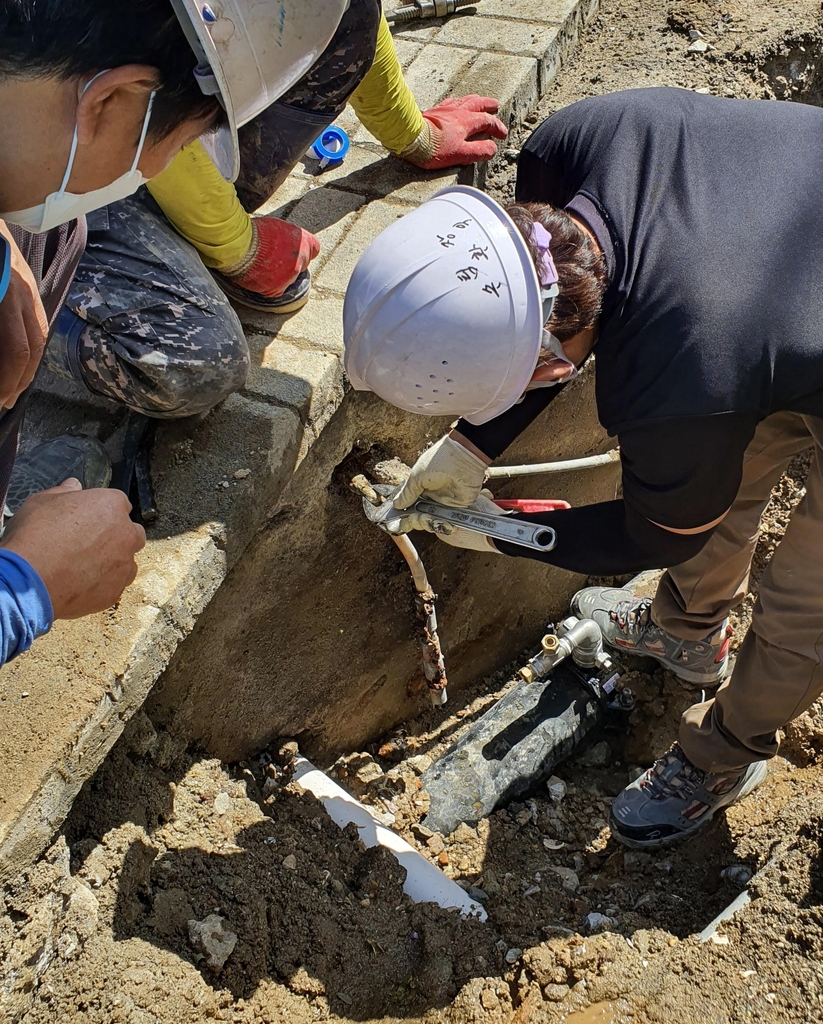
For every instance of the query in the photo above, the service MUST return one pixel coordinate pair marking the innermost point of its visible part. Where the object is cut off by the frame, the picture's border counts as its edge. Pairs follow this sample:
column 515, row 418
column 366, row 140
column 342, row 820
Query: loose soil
column 98, row 932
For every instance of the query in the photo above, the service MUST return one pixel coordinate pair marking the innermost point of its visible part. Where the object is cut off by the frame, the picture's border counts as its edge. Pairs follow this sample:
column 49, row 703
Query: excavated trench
column 312, row 636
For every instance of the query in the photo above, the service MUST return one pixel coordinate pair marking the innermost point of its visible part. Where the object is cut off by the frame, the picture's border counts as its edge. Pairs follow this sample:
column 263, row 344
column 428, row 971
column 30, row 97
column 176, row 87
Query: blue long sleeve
column 25, row 606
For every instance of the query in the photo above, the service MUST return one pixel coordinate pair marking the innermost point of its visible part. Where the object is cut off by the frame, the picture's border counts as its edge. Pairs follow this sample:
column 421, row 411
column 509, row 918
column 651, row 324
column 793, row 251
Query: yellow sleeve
column 203, row 207
column 383, row 102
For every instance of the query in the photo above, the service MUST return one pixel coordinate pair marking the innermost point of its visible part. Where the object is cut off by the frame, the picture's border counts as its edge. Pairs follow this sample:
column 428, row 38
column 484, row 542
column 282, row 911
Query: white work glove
column 457, row 536
column 447, row 473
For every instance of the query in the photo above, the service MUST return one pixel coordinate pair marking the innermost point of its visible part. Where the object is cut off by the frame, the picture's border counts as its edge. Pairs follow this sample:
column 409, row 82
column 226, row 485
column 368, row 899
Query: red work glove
column 279, row 253
column 451, row 125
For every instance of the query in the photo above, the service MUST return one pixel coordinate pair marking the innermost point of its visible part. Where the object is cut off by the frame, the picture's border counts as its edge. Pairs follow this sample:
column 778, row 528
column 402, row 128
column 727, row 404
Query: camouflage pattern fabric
column 146, row 324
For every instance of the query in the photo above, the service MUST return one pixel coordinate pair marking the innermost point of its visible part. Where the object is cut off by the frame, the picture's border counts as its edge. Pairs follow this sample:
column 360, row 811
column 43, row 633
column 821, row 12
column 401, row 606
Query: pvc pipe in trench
column 424, row 882
column 541, row 468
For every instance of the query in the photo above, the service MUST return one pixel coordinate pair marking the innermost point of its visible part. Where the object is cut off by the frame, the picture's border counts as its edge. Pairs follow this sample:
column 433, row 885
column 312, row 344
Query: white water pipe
column 424, row 882
column 540, row 468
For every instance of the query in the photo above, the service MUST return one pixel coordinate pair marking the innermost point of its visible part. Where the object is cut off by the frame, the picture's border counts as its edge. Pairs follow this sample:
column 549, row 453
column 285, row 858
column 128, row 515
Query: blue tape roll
column 5, row 267
column 331, row 147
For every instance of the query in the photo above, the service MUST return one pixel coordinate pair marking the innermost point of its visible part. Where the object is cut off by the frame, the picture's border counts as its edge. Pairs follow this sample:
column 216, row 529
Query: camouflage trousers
column 145, row 323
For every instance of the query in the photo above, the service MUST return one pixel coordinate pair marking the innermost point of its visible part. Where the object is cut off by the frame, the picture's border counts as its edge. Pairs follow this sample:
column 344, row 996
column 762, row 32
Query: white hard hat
column 250, row 52
column 444, row 312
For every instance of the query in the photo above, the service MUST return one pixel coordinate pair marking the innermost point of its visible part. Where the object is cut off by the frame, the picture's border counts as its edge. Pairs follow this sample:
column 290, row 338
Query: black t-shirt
column 710, row 215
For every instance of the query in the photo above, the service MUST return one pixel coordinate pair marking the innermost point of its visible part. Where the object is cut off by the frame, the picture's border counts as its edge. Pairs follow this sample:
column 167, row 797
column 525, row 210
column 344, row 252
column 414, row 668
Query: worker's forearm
column 383, row 102
column 203, row 207
column 494, row 437
column 25, row 606
column 608, row 539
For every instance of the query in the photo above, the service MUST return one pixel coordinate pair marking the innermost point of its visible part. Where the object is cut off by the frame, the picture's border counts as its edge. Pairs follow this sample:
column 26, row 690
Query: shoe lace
column 633, row 615
column 673, row 775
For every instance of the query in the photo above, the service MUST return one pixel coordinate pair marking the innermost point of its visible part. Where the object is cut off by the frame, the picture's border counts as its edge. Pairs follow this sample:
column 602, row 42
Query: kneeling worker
column 687, row 253
column 97, row 96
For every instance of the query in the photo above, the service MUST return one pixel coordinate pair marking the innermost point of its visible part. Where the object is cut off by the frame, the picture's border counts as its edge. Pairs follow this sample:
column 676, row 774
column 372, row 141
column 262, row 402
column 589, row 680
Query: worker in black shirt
column 680, row 238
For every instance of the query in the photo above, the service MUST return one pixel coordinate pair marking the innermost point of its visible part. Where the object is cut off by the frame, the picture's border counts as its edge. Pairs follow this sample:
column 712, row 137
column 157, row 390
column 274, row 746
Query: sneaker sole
column 754, row 780
column 264, row 305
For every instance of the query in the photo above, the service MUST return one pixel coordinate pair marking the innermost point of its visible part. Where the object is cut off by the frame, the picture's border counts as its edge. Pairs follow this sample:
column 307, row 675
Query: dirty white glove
column 457, row 536
column 447, row 473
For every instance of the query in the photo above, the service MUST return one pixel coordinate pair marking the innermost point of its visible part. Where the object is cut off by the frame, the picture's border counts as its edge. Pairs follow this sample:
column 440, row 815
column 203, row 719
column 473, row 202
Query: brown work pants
column 778, row 674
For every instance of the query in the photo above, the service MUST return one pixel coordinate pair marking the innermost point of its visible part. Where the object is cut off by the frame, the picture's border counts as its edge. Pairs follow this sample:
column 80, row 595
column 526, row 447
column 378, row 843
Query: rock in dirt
column 597, row 756
column 420, row 763
column 513, row 955
column 556, row 788
column 290, row 862
column 222, row 803
column 737, row 874
column 436, row 844
column 568, row 879
column 556, row 993
column 598, row 923
column 213, row 939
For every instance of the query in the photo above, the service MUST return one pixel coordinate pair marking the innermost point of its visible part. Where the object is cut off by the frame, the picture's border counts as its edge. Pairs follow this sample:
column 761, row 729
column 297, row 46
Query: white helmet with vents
column 249, row 53
column 444, row 312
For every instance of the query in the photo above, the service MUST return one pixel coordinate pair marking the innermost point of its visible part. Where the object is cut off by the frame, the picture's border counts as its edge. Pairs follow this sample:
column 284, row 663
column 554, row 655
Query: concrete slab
column 328, row 213
column 369, row 170
column 513, row 80
column 436, row 71
column 317, row 326
column 307, row 381
column 521, row 38
column 334, row 277
column 545, row 12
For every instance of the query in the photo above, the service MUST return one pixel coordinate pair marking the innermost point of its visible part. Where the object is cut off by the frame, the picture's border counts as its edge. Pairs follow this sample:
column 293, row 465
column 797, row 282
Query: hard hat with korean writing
column 249, row 53
column 444, row 311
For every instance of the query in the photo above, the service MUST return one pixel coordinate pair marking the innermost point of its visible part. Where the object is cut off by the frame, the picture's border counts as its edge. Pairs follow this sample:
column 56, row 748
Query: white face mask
column 61, row 207
column 551, row 344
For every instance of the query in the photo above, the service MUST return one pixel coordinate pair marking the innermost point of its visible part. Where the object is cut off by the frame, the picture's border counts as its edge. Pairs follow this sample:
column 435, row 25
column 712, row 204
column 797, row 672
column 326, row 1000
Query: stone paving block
column 378, row 215
column 512, row 80
column 372, row 172
column 308, row 381
column 292, row 189
column 421, row 32
column 328, row 213
column 436, row 70
column 318, row 325
column 521, row 38
column 545, row 12
column 407, row 48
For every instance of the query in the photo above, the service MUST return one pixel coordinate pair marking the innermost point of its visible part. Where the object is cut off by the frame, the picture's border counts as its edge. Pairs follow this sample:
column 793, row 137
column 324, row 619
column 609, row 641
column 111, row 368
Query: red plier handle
column 531, row 505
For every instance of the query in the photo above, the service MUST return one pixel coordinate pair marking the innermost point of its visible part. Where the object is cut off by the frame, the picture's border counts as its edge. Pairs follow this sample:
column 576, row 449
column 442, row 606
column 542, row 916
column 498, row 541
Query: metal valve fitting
column 427, row 9
column 579, row 638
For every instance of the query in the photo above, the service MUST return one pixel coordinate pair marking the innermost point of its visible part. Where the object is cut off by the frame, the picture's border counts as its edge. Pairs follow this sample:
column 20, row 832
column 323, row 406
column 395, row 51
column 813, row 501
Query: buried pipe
column 431, row 652
column 541, row 468
column 737, row 904
column 424, row 882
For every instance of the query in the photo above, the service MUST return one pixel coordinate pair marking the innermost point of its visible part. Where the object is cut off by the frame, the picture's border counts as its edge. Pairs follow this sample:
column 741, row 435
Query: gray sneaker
column 674, row 799
column 626, row 624
column 49, row 464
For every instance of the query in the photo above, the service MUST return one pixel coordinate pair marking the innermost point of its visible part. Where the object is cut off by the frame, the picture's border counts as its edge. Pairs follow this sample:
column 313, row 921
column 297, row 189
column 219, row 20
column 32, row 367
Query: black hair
column 581, row 268
column 65, row 39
